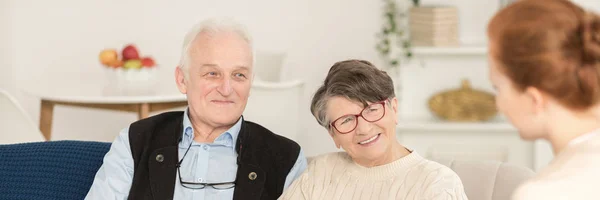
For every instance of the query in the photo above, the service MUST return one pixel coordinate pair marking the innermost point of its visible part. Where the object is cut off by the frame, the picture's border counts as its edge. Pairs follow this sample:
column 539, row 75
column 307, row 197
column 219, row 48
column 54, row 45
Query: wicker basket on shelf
column 464, row 104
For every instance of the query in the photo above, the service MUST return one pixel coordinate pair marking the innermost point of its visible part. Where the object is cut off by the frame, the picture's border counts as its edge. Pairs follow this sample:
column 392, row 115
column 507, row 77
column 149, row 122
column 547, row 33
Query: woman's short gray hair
column 212, row 26
column 356, row 80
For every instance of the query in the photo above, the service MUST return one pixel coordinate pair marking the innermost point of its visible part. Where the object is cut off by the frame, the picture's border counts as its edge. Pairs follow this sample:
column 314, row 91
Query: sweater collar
column 387, row 171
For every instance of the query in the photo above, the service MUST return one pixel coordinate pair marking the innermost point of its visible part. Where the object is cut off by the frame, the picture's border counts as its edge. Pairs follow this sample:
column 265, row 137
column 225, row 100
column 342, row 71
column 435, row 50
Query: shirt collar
column 228, row 138
column 584, row 137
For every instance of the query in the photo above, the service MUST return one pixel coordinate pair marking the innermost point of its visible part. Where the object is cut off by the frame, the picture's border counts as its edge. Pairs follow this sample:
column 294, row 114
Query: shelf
column 459, row 50
column 439, row 125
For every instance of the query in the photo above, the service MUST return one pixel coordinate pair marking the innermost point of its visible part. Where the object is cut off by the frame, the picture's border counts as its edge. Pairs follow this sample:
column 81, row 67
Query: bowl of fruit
column 128, row 70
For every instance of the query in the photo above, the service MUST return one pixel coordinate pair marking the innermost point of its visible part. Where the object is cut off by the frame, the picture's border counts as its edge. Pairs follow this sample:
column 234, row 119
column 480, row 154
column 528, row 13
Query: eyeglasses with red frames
column 372, row 113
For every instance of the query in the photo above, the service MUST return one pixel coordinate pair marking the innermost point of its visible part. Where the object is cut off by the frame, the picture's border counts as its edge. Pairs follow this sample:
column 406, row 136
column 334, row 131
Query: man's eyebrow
column 237, row 67
column 215, row 65
column 209, row 65
column 242, row 67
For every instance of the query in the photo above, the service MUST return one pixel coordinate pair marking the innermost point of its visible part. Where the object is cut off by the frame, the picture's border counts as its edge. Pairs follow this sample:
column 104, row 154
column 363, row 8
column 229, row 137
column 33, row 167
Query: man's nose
column 363, row 127
column 225, row 87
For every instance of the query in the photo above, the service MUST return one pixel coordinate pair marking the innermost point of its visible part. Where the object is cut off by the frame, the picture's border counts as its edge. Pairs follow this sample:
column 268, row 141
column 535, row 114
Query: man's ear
column 537, row 100
column 180, row 79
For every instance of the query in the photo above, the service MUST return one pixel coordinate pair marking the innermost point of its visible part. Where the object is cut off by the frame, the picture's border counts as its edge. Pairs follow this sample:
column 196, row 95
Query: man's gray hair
column 212, row 26
column 356, row 80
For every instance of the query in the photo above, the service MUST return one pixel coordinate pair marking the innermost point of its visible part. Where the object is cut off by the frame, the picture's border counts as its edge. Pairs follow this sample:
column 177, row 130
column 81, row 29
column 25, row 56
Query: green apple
column 132, row 64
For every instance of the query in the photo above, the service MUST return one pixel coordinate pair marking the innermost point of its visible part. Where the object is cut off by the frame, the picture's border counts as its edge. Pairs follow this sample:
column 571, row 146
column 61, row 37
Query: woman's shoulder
column 532, row 190
column 327, row 165
column 428, row 166
column 573, row 164
column 438, row 180
column 570, row 173
column 332, row 158
column 442, row 174
column 544, row 189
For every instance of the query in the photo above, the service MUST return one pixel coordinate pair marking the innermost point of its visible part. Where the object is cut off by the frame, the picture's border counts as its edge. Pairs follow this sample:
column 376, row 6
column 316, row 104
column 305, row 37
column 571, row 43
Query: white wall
column 590, row 4
column 62, row 38
column 6, row 72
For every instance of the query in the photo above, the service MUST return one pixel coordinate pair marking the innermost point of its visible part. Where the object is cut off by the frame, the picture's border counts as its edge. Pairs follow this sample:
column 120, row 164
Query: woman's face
column 519, row 107
column 365, row 140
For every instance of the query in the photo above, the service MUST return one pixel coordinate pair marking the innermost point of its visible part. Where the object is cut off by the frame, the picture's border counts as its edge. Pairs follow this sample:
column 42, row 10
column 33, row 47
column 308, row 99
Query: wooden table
column 142, row 101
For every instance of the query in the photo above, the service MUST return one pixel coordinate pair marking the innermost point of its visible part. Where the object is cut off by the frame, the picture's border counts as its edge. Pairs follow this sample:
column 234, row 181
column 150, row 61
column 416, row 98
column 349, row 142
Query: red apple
column 130, row 52
column 148, row 62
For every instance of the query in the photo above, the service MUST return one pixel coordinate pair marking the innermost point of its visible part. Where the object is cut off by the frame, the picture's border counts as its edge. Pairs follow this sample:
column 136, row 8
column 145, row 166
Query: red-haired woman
column 545, row 64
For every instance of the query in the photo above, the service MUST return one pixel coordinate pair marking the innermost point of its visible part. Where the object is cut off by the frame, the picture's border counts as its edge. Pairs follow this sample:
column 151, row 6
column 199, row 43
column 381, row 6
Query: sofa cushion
column 49, row 170
column 488, row 179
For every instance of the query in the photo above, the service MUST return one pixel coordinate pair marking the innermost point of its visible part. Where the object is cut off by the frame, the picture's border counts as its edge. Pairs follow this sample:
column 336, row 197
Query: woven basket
column 464, row 104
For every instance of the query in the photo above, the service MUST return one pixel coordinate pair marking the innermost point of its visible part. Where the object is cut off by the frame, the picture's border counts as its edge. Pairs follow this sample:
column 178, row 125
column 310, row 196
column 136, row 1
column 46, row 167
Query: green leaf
column 386, row 50
column 415, row 2
column 389, row 15
column 406, row 44
column 393, row 25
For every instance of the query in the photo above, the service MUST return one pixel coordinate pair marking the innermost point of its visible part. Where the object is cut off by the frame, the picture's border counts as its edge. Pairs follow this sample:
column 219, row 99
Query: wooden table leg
column 143, row 111
column 46, row 113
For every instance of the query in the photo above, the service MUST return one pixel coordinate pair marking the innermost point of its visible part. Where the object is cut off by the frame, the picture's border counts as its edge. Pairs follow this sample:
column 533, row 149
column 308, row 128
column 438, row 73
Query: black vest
column 154, row 147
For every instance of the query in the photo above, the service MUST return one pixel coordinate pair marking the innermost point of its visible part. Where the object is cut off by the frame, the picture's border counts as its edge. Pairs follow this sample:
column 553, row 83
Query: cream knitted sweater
column 573, row 174
column 335, row 176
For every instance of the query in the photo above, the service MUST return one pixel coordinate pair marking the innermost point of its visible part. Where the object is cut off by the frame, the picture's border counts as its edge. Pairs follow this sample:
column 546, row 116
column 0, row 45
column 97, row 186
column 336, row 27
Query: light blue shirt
column 205, row 162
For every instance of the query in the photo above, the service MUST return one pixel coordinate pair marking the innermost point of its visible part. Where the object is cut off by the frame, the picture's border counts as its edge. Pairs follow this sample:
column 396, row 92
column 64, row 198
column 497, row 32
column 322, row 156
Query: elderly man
column 208, row 151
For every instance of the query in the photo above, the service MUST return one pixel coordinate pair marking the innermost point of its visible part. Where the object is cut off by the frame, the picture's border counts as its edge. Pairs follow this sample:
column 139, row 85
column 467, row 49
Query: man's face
column 219, row 78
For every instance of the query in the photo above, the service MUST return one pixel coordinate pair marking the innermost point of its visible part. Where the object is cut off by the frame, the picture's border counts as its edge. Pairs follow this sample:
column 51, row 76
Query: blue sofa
column 49, row 170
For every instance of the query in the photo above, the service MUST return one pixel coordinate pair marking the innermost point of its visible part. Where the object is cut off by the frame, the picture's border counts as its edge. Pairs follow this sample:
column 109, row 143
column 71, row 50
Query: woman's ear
column 332, row 134
column 394, row 105
column 394, row 102
column 337, row 145
column 537, row 100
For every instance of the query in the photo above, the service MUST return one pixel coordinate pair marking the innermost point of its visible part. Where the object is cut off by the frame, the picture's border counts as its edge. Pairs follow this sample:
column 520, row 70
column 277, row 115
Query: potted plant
column 394, row 43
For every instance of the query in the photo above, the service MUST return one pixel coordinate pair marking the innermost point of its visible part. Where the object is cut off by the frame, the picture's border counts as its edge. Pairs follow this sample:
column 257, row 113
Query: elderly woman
column 545, row 65
column 357, row 106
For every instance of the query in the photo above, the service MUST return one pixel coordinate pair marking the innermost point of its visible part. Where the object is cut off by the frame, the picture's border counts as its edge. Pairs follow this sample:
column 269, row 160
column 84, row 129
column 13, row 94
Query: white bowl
column 131, row 81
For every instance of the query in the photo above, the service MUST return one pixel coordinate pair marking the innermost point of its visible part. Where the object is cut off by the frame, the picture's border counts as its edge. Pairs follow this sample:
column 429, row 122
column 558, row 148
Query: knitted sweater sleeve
column 444, row 184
